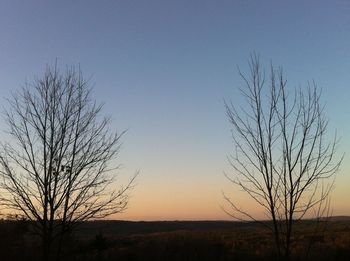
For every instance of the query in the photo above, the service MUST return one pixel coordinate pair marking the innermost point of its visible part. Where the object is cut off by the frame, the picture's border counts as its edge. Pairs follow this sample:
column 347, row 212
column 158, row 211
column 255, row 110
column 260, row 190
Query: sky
column 163, row 69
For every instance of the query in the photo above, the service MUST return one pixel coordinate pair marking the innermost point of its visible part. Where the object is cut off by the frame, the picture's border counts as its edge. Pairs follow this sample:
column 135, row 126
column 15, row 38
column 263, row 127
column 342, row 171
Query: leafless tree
column 283, row 159
column 56, row 168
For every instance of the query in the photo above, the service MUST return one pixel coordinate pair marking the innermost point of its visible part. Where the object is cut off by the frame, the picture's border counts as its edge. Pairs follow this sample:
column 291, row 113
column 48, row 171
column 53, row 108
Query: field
column 180, row 240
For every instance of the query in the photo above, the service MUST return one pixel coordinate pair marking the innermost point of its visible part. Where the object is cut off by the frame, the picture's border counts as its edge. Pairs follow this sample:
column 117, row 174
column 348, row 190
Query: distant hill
column 123, row 228
column 119, row 228
column 339, row 218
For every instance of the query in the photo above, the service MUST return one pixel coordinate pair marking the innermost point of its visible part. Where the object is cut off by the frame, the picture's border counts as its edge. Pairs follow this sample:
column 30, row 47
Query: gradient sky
column 163, row 69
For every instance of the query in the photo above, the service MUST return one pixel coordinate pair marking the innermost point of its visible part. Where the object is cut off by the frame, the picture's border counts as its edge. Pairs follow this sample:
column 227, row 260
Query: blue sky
column 163, row 69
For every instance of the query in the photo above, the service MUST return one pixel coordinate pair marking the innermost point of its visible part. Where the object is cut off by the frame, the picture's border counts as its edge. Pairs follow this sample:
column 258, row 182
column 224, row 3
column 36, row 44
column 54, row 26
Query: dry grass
column 244, row 242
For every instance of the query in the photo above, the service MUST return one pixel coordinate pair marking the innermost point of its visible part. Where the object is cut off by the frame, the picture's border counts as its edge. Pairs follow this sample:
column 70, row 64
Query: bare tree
column 56, row 167
column 283, row 159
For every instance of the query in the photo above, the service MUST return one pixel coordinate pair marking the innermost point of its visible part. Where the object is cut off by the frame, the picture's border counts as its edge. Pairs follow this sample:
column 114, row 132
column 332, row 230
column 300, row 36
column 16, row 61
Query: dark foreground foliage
column 178, row 241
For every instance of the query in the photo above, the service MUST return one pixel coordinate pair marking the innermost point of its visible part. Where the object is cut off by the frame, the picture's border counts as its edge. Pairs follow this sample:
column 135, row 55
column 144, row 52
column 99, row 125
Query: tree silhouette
column 57, row 165
column 283, row 159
